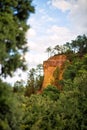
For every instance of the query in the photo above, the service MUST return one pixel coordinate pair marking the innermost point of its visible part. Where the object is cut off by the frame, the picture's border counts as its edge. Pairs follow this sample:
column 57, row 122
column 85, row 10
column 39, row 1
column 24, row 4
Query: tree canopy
column 79, row 45
column 13, row 44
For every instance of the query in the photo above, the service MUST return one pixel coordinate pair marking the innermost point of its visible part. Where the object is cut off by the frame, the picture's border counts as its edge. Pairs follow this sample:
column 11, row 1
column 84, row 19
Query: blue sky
column 54, row 22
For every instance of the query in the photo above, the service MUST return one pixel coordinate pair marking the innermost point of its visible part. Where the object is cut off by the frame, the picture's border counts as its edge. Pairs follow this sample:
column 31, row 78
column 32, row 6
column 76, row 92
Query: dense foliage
column 77, row 46
column 11, row 108
column 13, row 17
column 53, row 109
column 35, row 80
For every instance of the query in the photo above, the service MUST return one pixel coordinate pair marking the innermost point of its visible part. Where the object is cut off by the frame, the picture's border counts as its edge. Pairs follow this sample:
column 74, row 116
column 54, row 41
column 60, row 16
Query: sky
column 54, row 22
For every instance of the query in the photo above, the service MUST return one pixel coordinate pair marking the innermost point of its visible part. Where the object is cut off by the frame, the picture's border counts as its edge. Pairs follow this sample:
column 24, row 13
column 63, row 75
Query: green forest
column 21, row 107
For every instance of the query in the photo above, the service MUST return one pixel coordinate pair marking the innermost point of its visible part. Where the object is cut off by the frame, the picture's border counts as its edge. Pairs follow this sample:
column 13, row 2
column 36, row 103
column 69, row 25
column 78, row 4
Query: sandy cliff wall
column 50, row 66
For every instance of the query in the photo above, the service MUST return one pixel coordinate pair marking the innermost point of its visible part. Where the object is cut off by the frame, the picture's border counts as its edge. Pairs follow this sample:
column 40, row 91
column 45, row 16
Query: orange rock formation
column 50, row 66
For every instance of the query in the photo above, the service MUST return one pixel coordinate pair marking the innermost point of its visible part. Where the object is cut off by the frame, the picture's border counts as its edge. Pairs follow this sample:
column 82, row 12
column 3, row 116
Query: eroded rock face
column 50, row 66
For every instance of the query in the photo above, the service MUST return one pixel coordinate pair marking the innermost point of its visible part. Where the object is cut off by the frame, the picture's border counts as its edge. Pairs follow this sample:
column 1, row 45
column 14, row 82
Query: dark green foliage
column 30, row 83
column 57, row 110
column 35, row 80
column 77, row 66
column 80, row 44
column 49, row 51
column 70, row 72
column 18, row 87
column 52, row 92
column 77, row 48
column 13, row 17
column 56, row 73
column 11, row 110
column 41, row 114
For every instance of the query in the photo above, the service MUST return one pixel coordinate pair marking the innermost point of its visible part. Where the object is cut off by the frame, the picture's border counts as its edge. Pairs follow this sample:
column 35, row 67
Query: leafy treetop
column 13, row 45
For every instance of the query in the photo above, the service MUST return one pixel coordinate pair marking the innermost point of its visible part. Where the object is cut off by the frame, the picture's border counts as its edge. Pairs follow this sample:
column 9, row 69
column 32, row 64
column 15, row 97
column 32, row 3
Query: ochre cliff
column 50, row 66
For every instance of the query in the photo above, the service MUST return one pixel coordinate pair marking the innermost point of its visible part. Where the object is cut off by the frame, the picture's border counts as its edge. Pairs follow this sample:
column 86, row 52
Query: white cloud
column 30, row 33
column 42, row 11
column 77, row 13
column 78, row 16
column 61, row 4
column 60, row 35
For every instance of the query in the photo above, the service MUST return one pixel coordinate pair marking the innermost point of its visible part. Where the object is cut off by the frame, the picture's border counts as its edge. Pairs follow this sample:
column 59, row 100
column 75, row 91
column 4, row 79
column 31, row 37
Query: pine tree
column 13, row 45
